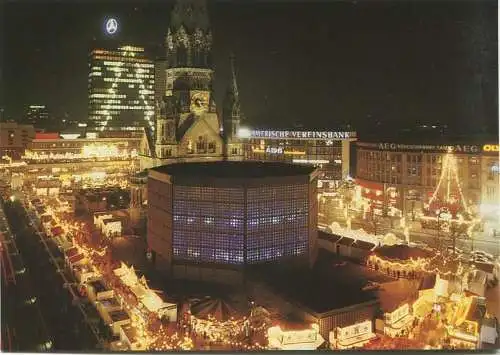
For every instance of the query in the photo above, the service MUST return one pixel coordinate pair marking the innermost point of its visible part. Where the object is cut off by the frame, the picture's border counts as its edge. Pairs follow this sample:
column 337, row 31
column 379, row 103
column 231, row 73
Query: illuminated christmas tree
column 448, row 197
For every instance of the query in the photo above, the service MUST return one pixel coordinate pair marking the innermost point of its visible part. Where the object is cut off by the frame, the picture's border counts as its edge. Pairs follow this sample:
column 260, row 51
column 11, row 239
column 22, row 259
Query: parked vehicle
column 483, row 254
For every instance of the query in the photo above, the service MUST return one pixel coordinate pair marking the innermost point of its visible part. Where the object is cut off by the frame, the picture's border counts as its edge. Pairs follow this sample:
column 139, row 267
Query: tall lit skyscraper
column 121, row 89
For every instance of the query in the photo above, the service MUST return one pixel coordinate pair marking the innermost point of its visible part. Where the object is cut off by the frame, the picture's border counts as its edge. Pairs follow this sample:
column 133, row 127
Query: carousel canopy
column 219, row 309
column 402, row 252
column 446, row 265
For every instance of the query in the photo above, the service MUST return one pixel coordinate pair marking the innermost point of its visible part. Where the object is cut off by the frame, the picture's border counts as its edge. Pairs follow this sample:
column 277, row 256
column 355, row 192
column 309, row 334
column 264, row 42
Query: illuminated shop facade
column 328, row 151
column 121, row 89
column 402, row 178
column 53, row 147
column 69, row 159
column 206, row 224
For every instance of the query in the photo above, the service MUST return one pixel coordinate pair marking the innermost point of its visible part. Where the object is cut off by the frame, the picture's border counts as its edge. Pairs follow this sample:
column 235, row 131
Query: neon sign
column 277, row 150
column 111, row 26
column 490, row 148
column 310, row 161
column 309, row 135
column 274, row 150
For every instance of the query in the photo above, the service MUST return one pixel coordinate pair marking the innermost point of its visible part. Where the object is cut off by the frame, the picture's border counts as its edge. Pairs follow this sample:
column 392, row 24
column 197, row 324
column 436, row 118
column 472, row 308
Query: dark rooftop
column 235, row 169
column 393, row 295
column 427, row 282
column 110, row 302
column 98, row 286
column 117, row 316
column 111, row 220
column 327, row 236
column 320, row 289
column 361, row 244
column 346, row 241
column 486, row 267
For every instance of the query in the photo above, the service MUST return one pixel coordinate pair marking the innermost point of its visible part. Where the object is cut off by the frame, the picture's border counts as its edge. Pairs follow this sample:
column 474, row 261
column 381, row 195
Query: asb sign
column 111, row 26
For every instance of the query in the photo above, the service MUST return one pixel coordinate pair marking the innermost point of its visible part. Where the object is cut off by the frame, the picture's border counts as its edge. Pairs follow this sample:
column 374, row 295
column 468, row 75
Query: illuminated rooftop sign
column 306, row 135
column 111, row 26
column 490, row 148
column 455, row 148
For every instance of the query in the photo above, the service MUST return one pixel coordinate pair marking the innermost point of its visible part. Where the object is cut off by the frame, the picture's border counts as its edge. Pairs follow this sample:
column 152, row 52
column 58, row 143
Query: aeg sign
column 490, row 148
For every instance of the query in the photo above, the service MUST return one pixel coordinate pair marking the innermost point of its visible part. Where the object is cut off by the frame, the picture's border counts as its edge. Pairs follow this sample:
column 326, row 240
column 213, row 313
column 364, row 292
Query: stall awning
column 76, row 258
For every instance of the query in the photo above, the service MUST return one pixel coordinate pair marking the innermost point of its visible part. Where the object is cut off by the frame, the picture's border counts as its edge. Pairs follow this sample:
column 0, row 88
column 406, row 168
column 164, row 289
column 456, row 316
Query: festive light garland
column 449, row 172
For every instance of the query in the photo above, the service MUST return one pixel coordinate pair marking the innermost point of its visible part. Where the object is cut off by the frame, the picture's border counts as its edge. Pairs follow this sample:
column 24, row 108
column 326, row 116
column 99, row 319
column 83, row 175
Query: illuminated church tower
column 187, row 125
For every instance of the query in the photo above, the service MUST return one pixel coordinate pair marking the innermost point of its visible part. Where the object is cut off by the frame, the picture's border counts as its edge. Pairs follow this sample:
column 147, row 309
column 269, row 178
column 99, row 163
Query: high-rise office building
column 37, row 115
column 121, row 89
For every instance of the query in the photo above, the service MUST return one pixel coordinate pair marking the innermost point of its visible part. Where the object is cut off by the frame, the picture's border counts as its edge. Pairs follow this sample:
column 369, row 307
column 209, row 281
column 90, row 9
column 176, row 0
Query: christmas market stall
column 464, row 327
column 291, row 339
column 148, row 301
column 352, row 336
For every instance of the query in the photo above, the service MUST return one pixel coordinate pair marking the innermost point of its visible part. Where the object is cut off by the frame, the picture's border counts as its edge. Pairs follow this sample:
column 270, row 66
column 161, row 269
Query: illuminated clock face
column 199, row 102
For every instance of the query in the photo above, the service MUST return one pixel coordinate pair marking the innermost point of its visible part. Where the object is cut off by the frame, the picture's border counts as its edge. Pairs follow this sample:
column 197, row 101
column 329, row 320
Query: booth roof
column 117, row 316
column 427, row 282
column 76, row 258
column 152, row 301
column 57, row 230
column 401, row 252
column 71, row 251
column 485, row 267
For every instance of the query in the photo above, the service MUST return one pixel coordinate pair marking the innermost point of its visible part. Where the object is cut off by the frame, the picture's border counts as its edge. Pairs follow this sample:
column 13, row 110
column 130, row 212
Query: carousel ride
column 220, row 322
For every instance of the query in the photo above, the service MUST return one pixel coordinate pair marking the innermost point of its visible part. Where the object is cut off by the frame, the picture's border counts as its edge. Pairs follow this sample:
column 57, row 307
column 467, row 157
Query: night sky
column 322, row 64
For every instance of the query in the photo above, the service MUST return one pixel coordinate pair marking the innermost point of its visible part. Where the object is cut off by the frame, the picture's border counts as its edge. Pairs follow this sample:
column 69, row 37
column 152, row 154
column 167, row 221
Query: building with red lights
column 403, row 177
